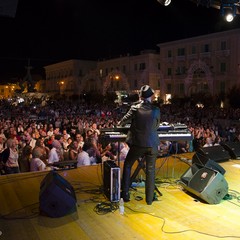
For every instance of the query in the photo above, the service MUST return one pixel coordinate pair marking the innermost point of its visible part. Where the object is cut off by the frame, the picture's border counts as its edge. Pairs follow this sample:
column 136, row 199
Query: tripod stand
column 141, row 165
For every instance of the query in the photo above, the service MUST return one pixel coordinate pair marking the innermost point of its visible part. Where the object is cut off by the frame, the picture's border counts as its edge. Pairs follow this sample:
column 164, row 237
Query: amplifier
column 111, row 181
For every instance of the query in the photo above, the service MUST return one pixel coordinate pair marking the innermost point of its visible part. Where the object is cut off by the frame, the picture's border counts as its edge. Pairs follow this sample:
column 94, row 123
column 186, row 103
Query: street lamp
column 61, row 83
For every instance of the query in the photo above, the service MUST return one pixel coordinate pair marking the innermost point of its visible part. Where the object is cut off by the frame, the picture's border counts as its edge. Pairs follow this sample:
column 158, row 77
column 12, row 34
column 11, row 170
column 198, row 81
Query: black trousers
column 150, row 155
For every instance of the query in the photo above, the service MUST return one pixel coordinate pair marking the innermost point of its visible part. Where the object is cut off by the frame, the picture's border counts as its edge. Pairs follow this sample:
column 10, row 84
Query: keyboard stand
column 118, row 152
column 141, row 165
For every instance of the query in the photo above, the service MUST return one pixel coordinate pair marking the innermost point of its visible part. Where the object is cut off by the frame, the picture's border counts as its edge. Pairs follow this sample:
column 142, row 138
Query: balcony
column 223, row 53
column 168, row 59
column 205, row 55
column 192, row 56
column 180, row 58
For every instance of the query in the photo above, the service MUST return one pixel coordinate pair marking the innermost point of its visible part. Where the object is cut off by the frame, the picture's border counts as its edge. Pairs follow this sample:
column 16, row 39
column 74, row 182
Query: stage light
column 164, row 2
column 229, row 15
column 228, row 10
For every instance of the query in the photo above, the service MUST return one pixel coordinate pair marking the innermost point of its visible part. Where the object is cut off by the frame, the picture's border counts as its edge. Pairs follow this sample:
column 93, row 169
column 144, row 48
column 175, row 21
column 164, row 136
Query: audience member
column 219, row 124
column 36, row 164
column 83, row 158
column 10, row 157
column 55, row 154
column 44, row 149
column 208, row 142
column 25, row 156
column 74, row 150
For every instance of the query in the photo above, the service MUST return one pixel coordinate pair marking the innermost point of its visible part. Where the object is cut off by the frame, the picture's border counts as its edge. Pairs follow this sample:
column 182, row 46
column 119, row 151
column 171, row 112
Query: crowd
column 34, row 136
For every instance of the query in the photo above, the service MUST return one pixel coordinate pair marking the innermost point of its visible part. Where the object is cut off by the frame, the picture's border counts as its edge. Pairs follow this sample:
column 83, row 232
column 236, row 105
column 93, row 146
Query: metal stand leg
column 141, row 165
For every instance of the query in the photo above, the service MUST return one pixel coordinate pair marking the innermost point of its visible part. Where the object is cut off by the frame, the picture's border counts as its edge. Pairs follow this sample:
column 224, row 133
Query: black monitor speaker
column 57, row 197
column 233, row 148
column 204, row 160
column 216, row 153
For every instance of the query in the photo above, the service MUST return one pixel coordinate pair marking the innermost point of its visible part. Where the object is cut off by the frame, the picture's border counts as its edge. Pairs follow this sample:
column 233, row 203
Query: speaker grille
column 57, row 197
column 206, row 184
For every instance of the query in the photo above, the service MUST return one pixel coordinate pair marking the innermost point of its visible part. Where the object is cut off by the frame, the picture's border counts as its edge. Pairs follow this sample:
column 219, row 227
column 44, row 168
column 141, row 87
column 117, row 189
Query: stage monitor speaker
column 57, row 197
column 111, row 181
column 215, row 153
column 203, row 160
column 233, row 148
column 205, row 183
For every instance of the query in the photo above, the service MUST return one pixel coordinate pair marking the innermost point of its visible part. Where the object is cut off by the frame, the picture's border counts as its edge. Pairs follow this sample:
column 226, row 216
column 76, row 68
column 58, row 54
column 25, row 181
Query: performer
column 143, row 141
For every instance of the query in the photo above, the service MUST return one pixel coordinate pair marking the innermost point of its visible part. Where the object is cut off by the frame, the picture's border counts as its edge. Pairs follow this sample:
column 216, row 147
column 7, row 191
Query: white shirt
column 37, row 164
column 33, row 143
column 83, row 159
column 53, row 156
column 207, row 145
column 12, row 159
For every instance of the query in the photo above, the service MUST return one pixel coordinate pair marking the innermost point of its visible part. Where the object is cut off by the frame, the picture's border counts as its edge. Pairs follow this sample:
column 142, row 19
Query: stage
column 174, row 215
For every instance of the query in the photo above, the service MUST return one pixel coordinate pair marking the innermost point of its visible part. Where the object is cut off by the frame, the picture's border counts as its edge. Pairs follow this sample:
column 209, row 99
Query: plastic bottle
column 121, row 206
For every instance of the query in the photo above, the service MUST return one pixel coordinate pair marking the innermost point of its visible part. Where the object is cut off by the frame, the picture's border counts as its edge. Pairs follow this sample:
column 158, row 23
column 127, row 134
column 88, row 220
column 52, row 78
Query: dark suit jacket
column 144, row 118
column 4, row 155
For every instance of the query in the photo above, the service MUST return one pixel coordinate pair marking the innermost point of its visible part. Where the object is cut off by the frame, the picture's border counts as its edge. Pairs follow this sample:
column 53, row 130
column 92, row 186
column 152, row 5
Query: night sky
column 48, row 31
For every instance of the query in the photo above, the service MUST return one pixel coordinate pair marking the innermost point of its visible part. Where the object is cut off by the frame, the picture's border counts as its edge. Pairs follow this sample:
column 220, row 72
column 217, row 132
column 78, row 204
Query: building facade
column 8, row 90
column 129, row 73
column 205, row 64
column 208, row 64
column 126, row 73
column 66, row 78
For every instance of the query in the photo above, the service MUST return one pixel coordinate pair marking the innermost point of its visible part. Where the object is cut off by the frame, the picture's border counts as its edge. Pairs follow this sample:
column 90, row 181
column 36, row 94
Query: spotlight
column 164, row 2
column 229, row 15
column 228, row 10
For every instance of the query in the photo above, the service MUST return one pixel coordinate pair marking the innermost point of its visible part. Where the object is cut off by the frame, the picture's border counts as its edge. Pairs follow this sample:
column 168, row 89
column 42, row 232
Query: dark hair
column 85, row 147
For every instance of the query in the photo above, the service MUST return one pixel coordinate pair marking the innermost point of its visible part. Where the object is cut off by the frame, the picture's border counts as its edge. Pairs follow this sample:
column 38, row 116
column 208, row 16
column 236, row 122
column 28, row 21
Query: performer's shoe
column 125, row 196
column 154, row 199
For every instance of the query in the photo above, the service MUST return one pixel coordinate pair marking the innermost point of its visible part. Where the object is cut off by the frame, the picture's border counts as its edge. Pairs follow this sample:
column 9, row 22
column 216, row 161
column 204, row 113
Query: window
column 205, row 87
column 169, row 88
column 169, row 71
column 181, row 88
column 100, row 72
column 142, row 66
column 181, row 51
column 194, row 50
column 223, row 45
column 222, row 87
column 206, row 48
column 223, row 67
column 135, row 83
column 169, row 54
column 159, row 66
column 180, row 70
column 124, row 68
column 135, row 67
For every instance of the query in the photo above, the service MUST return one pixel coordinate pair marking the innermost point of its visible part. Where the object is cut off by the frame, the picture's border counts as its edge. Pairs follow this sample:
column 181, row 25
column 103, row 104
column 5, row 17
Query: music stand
column 141, row 165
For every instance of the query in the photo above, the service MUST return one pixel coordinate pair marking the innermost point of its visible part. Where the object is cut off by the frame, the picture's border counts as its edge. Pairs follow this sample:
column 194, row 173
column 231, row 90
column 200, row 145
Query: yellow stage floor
column 175, row 215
